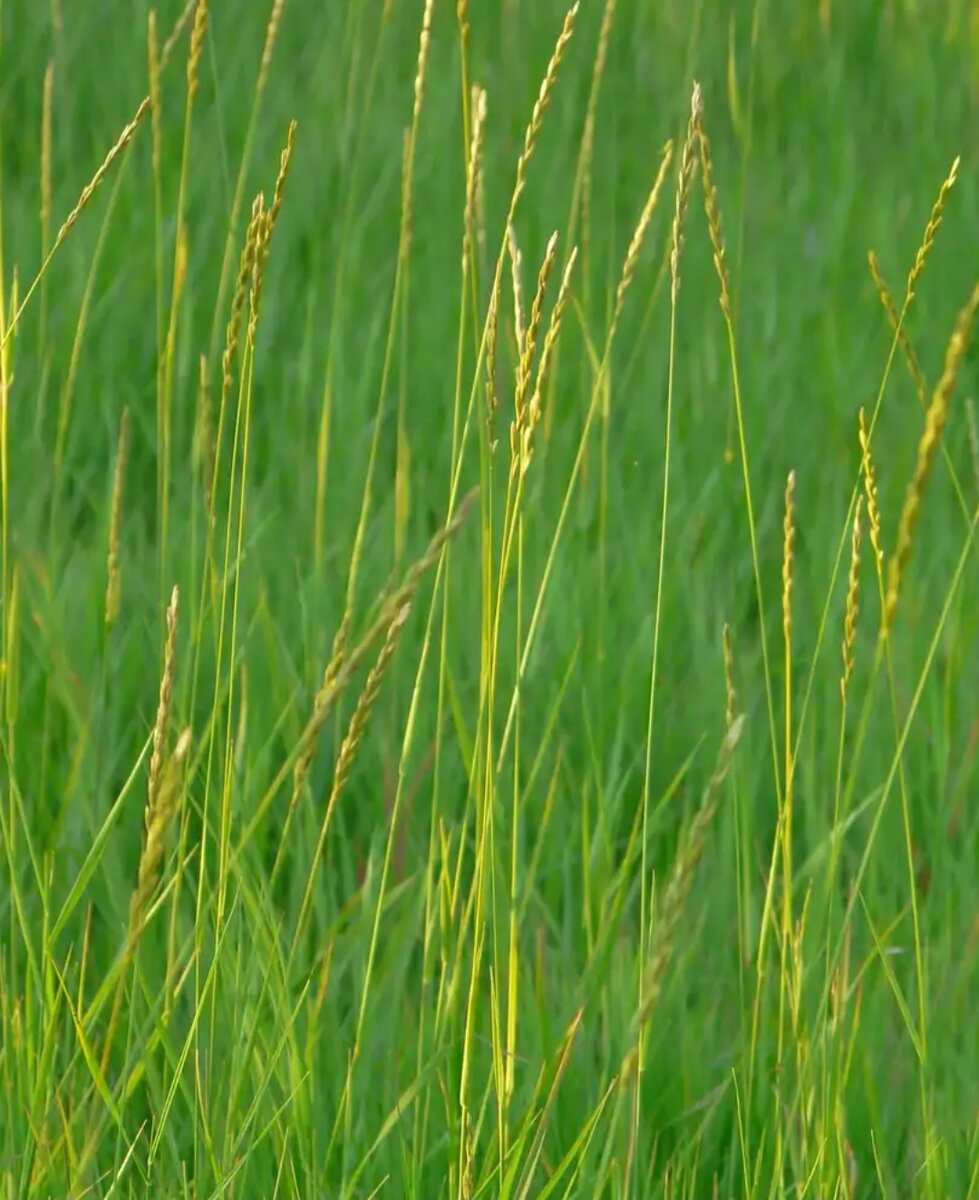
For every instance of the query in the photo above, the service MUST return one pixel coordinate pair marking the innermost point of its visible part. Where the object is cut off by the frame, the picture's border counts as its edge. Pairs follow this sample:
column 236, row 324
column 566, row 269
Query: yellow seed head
column 731, row 695
column 688, row 162
column 712, row 208
column 897, row 326
column 934, row 220
column 870, row 491
column 639, row 235
column 852, row 609
column 196, row 47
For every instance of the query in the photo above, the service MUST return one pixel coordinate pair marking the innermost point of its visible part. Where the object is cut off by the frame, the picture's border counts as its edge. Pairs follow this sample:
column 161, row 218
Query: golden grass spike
column 245, row 271
column 323, row 696
column 526, row 364
column 473, row 171
column 258, row 267
column 639, row 235
column 424, row 42
column 678, row 888
column 712, row 208
column 516, row 264
column 688, row 162
column 731, row 695
column 113, row 590
column 788, row 557
column 540, row 105
column 271, row 31
column 973, row 428
column 156, row 109
column 90, row 188
column 176, row 33
column 897, row 326
column 870, row 490
column 852, row 610
column 935, row 420
column 546, row 357
column 165, row 701
column 934, row 220
column 159, row 814
column 285, row 159
column 196, row 47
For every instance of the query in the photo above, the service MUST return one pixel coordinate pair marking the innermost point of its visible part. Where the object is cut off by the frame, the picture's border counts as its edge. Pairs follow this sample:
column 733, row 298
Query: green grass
column 475, row 876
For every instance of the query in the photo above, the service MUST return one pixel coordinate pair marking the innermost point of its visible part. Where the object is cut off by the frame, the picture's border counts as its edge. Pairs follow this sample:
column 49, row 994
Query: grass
column 488, row 583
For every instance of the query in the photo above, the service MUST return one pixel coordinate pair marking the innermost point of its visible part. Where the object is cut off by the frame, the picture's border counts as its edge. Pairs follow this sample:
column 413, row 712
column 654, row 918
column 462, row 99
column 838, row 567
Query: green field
column 452, row 741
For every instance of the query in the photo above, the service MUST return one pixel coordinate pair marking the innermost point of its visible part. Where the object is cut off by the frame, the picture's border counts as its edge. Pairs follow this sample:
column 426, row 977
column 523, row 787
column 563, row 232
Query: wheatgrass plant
column 443, row 906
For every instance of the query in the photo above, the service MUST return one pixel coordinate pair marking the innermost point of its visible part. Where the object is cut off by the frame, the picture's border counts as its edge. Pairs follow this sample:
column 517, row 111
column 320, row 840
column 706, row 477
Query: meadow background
column 436, row 842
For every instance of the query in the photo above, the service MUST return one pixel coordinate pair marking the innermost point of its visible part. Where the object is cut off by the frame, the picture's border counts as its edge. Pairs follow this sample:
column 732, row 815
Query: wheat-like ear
column 898, row 327
column 196, row 47
column 550, row 343
column 245, row 271
column 935, row 420
column 113, row 589
column 165, row 700
column 526, row 364
column 271, row 31
column 688, row 163
column 870, row 490
column 730, row 693
column 516, row 275
column 934, row 220
column 639, row 236
column 712, row 208
column 474, row 167
column 852, row 609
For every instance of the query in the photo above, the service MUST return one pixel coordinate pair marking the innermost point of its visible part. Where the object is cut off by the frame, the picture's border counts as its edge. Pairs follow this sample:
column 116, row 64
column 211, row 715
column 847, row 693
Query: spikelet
column 159, row 814
column 516, row 274
column 326, row 690
column 165, row 701
column 196, row 48
column 526, row 364
column 870, row 490
column 852, row 610
column 973, row 429
column 935, row 420
column 546, row 357
column 639, row 236
column 258, row 271
column 688, row 162
column 113, row 589
column 245, row 268
column 473, row 171
column 46, row 122
column 424, row 42
column 271, row 30
column 285, row 159
column 788, row 557
column 678, row 888
column 90, row 188
column 540, row 105
column 731, row 695
column 492, row 401
column 934, row 220
column 897, row 326
column 713, row 210
column 176, row 33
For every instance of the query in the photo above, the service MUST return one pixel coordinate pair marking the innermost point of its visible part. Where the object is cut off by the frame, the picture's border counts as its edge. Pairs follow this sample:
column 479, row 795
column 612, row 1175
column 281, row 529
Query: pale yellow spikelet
column 245, row 266
column 258, row 271
column 688, row 162
column 526, row 364
column 852, row 609
column 196, row 47
column 870, row 490
column 159, row 814
column 424, row 41
column 156, row 110
column 473, row 172
column 897, row 326
column 46, row 140
column 177, row 32
column 730, row 692
column 931, row 229
column 712, row 208
column 285, row 160
column 271, row 31
column 788, row 557
column 639, row 235
column 973, row 429
column 492, row 401
column 165, row 701
column 113, row 590
column 89, row 190
column 540, row 105
column 516, row 275
column 935, row 419
column 546, row 358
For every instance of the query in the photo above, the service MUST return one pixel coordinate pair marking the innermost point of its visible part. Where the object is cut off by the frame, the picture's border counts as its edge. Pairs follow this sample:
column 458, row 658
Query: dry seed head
column 196, row 48
column 285, row 158
column 870, row 490
column 113, row 590
column 540, row 105
column 546, row 357
column 897, row 327
column 970, row 419
column 852, row 610
column 238, row 299
column 688, row 162
column 165, row 701
column 788, row 556
column 492, row 402
column 46, row 121
column 89, row 190
column 176, row 33
column 639, row 236
column 934, row 220
column 159, row 813
column 935, row 420
column 423, row 44
column 526, row 364
column 258, row 270
column 516, row 264
column 156, row 122
column 473, row 169
column 713, row 210
column 731, row 695
column 271, row 30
